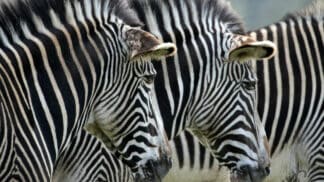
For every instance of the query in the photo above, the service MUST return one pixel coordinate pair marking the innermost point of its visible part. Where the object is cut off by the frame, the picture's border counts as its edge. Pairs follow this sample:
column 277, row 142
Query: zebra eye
column 149, row 79
column 249, row 85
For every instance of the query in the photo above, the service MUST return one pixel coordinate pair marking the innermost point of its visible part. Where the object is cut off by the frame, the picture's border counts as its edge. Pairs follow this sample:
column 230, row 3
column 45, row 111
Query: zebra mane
column 223, row 10
column 207, row 11
column 15, row 13
column 314, row 9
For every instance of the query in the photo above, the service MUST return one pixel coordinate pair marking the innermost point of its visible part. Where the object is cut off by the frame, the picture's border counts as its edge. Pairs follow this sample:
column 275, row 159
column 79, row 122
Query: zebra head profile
column 124, row 117
column 73, row 64
column 209, row 88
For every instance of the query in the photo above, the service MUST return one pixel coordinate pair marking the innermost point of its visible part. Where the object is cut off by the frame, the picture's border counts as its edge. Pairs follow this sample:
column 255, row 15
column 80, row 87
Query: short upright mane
column 314, row 9
column 14, row 13
column 207, row 11
column 223, row 11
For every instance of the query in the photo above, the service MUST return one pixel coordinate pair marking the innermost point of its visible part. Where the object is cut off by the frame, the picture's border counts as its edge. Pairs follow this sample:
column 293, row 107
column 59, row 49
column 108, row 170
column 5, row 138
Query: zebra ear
column 252, row 50
column 144, row 45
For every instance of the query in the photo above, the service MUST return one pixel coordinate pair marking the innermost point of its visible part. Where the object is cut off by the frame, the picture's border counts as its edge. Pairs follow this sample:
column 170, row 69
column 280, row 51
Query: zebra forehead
column 14, row 12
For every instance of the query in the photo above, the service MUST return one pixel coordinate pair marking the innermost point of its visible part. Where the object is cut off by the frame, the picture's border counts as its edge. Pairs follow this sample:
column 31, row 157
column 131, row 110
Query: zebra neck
column 182, row 81
column 184, row 89
column 15, row 13
column 51, row 68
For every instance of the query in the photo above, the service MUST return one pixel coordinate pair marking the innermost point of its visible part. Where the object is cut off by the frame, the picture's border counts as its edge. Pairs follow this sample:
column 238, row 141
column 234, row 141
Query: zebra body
column 204, row 90
column 69, row 64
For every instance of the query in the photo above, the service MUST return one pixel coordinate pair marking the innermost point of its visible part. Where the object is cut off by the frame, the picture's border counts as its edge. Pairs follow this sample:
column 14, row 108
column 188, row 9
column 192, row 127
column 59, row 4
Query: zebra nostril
column 245, row 169
column 169, row 162
column 267, row 171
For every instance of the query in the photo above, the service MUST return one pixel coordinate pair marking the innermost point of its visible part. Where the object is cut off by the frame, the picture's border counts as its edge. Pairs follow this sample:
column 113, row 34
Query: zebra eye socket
column 249, row 85
column 149, row 78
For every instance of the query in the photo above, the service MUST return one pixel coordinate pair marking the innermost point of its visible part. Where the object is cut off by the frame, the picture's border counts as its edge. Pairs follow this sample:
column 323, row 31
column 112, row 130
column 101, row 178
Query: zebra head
column 123, row 116
column 231, row 127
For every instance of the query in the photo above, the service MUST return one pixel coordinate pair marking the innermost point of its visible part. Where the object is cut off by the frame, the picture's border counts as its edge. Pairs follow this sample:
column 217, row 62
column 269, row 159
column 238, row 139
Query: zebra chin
column 154, row 171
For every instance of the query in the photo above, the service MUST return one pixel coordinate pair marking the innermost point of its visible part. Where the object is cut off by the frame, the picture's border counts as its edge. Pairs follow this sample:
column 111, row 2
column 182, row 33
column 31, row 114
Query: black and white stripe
column 78, row 165
column 291, row 90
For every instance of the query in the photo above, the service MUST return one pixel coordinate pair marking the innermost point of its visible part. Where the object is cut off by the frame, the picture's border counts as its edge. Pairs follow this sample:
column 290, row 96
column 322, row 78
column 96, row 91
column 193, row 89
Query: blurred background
column 258, row 13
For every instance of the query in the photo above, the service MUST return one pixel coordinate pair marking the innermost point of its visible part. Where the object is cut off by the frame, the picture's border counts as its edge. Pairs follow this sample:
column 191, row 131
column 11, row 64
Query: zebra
column 211, row 93
column 290, row 102
column 66, row 65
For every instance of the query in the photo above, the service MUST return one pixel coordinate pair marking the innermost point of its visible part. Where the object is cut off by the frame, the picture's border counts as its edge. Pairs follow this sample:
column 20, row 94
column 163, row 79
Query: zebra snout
column 161, row 167
column 250, row 174
column 267, row 171
column 155, row 170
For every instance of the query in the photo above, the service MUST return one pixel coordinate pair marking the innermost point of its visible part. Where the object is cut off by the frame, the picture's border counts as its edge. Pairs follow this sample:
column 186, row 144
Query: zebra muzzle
column 154, row 171
column 249, row 174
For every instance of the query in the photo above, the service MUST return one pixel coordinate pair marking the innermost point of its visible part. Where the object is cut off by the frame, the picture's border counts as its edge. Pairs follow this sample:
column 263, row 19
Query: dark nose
column 155, row 171
column 267, row 171
column 162, row 167
column 248, row 173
